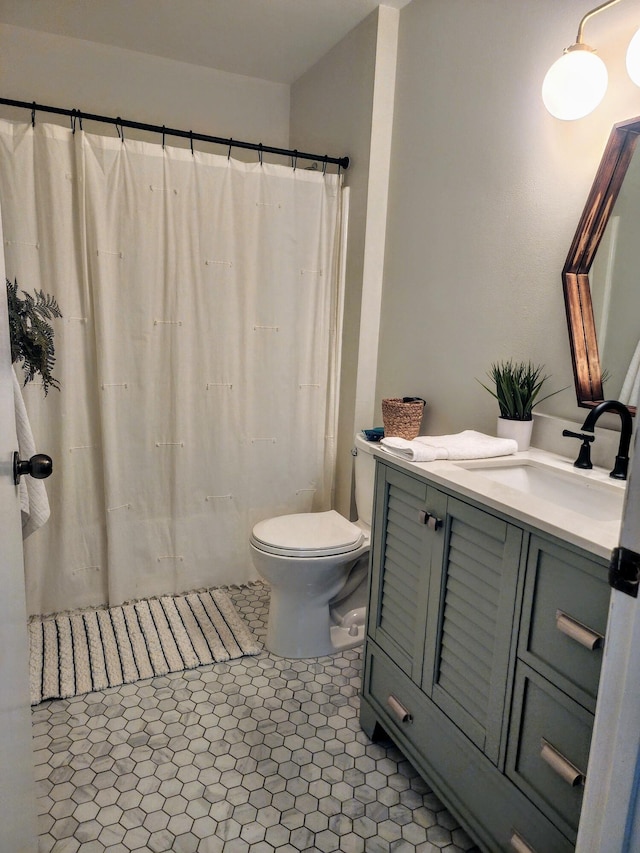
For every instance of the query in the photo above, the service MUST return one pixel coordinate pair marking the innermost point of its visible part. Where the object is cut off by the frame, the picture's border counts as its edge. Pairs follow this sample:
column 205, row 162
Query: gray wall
column 486, row 192
column 345, row 103
column 72, row 73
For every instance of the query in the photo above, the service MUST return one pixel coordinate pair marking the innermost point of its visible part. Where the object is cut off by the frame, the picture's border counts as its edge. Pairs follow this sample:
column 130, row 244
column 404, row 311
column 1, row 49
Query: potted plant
column 31, row 335
column 517, row 386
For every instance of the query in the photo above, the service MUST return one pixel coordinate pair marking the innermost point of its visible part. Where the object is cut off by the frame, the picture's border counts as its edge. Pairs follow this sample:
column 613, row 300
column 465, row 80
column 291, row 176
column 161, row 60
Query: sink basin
column 572, row 491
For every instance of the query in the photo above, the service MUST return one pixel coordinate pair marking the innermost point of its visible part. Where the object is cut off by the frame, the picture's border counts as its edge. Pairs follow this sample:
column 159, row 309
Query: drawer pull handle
column 519, row 845
column 561, row 765
column 399, row 710
column 587, row 637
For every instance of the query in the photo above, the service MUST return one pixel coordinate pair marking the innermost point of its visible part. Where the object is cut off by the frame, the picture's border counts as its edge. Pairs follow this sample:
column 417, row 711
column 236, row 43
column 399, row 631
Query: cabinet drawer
column 399, row 699
column 565, row 613
column 493, row 809
column 548, row 748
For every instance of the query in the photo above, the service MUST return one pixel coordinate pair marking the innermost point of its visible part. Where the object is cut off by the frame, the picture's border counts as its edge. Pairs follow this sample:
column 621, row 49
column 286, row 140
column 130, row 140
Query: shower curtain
column 198, row 356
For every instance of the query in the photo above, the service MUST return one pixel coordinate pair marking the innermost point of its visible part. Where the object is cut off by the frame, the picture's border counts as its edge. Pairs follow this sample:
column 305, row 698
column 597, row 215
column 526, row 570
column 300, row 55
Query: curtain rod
column 341, row 162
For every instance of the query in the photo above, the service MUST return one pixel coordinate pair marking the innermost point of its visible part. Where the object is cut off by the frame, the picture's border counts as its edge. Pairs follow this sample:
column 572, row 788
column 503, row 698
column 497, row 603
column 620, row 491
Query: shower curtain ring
column 163, row 136
column 294, row 159
column 75, row 116
column 324, row 166
column 33, row 115
column 120, row 128
column 191, row 141
column 260, row 153
column 230, row 147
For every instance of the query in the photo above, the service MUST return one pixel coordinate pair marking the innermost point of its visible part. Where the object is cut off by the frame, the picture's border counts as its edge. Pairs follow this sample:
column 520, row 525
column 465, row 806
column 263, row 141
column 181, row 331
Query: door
column 610, row 821
column 17, row 786
column 401, row 554
column 471, row 603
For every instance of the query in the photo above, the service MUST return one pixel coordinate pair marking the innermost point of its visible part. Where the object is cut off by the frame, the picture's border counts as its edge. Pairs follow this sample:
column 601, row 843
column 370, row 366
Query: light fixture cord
column 590, row 15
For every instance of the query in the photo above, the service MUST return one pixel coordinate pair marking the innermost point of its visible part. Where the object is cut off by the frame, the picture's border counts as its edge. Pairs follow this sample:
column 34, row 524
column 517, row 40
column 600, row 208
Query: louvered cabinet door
column 470, row 623
column 401, row 560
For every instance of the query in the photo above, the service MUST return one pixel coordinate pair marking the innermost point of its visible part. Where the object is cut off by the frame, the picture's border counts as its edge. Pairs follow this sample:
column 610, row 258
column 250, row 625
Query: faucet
column 622, row 458
column 584, row 456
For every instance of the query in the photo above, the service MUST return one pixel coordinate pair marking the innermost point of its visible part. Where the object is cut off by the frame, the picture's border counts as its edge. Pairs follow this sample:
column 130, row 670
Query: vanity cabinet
column 482, row 660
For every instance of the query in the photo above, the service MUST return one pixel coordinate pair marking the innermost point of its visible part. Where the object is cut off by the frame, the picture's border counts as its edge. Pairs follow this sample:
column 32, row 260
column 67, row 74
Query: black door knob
column 39, row 466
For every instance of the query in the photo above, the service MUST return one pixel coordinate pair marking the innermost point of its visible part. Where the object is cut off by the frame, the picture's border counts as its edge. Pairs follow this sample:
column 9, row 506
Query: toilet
column 317, row 566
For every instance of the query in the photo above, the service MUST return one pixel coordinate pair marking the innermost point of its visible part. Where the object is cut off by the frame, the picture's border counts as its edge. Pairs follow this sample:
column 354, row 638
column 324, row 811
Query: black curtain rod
column 341, row 162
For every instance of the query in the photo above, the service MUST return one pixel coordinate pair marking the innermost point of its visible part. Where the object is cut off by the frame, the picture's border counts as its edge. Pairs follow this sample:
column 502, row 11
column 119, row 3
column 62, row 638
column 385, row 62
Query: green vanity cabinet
column 482, row 659
column 559, row 656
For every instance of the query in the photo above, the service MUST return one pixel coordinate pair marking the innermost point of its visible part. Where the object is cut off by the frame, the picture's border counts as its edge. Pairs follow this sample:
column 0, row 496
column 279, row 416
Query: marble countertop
column 596, row 534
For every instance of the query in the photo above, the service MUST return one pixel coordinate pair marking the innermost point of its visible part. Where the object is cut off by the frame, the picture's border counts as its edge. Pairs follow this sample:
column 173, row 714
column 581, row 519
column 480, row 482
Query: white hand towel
column 34, row 503
column 412, row 450
column 468, row 444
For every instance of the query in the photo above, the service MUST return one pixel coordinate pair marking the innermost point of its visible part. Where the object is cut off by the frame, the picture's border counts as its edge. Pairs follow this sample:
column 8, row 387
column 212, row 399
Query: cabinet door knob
column 432, row 522
column 519, row 845
column 582, row 634
column 561, row 765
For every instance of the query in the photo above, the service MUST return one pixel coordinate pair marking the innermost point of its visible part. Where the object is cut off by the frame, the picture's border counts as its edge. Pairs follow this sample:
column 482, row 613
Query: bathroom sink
column 573, row 491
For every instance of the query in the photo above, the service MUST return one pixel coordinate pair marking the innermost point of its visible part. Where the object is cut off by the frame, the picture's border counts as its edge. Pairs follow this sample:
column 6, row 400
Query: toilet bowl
column 317, row 565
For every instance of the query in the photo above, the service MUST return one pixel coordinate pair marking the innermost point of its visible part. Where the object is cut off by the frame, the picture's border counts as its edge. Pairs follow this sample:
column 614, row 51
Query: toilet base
column 350, row 634
column 326, row 631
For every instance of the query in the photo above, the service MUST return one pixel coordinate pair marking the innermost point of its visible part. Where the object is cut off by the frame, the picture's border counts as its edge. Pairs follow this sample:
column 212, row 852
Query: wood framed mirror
column 599, row 306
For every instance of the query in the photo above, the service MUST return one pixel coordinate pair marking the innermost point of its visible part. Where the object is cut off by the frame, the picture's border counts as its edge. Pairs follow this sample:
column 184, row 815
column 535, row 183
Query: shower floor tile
column 261, row 754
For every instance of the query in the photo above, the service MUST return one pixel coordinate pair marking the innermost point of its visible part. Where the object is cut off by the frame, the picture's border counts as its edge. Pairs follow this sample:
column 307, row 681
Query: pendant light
column 576, row 83
column 633, row 58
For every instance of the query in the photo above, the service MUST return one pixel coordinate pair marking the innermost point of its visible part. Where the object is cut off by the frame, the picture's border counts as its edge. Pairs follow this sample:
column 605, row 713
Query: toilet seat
column 307, row 534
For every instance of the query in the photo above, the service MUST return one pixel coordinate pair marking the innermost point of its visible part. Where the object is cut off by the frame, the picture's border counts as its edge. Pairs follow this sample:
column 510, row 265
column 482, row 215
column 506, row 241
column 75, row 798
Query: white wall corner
column 376, row 213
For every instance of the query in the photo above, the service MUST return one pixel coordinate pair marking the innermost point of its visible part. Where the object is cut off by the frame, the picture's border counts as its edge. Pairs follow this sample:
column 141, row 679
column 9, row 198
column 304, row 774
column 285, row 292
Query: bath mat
column 86, row 650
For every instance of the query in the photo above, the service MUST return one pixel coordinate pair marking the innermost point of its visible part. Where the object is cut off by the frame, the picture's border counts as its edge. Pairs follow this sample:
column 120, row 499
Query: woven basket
column 400, row 419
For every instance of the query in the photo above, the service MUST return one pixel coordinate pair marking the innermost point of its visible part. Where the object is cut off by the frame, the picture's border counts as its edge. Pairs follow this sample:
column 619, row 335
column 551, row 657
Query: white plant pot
column 519, row 430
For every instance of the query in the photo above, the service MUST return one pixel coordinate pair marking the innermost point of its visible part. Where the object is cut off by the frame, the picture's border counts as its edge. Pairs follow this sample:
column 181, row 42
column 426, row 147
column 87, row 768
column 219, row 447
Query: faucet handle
column 584, row 456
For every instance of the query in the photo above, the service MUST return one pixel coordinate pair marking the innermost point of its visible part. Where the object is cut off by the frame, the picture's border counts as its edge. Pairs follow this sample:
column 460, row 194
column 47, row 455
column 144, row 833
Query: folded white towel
column 34, row 503
column 412, row 450
column 468, row 444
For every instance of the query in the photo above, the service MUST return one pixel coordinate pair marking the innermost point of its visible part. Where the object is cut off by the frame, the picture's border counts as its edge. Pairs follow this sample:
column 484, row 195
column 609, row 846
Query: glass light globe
column 633, row 58
column 575, row 84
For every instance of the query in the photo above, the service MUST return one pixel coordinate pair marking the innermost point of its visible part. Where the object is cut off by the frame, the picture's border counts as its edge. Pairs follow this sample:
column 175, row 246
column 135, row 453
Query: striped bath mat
column 86, row 650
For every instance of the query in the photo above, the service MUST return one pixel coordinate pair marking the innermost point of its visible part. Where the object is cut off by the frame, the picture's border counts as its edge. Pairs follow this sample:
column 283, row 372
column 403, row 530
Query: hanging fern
column 31, row 335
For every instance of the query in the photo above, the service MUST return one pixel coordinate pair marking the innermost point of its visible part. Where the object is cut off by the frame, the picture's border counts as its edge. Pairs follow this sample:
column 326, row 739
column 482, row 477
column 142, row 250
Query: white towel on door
column 631, row 384
column 468, row 444
column 34, row 503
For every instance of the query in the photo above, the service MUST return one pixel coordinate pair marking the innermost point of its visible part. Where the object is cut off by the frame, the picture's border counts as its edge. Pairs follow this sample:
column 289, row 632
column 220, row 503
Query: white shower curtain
column 198, row 356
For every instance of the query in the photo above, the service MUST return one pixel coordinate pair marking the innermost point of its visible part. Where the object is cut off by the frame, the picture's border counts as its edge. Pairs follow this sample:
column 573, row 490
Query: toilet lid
column 311, row 534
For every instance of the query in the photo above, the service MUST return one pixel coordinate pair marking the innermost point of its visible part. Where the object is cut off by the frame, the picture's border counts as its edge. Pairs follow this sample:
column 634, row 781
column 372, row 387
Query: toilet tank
column 365, row 470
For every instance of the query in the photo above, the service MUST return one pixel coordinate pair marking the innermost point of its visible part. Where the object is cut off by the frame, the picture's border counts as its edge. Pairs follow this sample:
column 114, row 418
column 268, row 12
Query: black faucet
column 584, row 456
column 622, row 459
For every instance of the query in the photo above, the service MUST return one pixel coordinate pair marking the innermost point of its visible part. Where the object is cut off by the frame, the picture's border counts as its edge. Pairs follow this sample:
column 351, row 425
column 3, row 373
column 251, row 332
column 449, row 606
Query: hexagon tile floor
column 262, row 754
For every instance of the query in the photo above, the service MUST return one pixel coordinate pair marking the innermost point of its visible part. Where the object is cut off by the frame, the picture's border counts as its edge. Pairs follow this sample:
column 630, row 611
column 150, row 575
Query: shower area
column 198, row 354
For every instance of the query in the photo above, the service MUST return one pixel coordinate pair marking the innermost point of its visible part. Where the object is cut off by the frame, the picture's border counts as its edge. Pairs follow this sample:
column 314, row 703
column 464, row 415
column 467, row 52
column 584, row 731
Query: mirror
column 601, row 278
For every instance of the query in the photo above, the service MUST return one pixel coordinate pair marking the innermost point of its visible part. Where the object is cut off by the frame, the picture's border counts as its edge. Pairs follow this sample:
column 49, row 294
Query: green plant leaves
column 517, row 386
column 31, row 335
